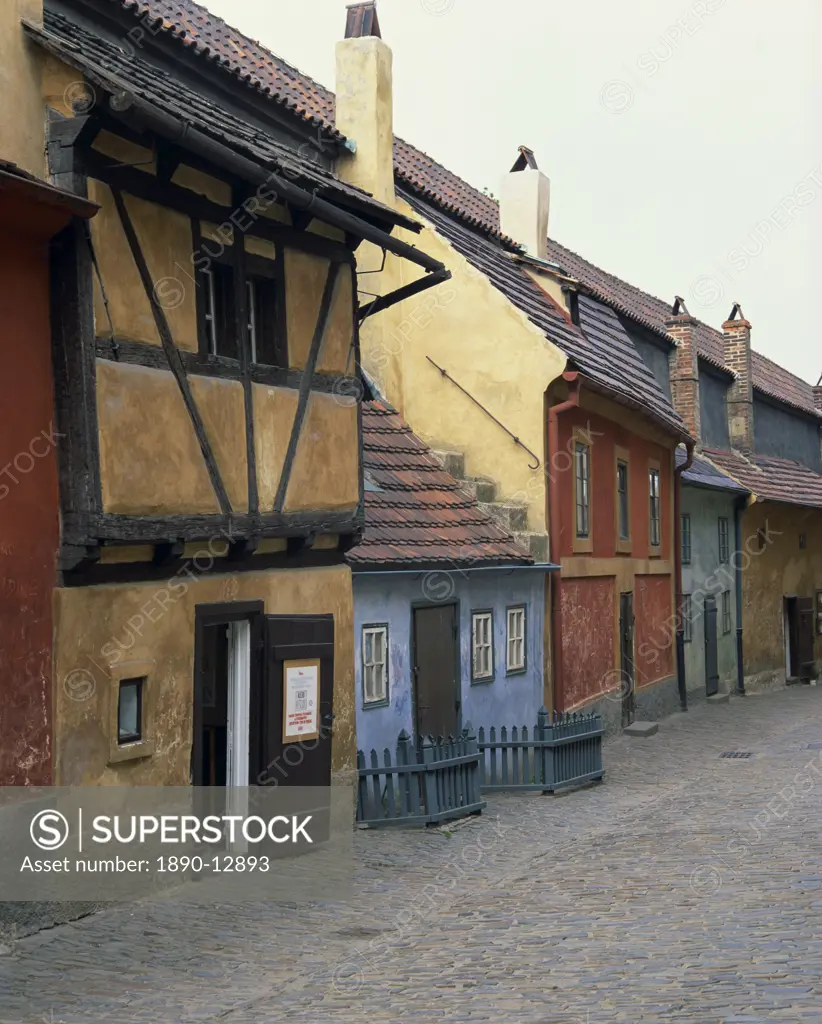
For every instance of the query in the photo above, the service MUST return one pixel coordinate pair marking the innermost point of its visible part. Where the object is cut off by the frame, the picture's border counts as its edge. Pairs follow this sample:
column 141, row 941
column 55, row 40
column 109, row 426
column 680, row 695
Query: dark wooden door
column 804, row 614
column 305, row 762
column 792, row 638
column 711, row 648
column 436, row 694
column 626, row 657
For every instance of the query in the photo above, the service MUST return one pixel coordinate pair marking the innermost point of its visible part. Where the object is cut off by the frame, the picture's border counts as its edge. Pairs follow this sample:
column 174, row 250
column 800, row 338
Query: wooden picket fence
column 438, row 781
column 562, row 751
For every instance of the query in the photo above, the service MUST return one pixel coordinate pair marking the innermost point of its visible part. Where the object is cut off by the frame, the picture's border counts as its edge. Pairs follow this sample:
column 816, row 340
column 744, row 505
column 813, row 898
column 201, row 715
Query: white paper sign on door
column 301, row 700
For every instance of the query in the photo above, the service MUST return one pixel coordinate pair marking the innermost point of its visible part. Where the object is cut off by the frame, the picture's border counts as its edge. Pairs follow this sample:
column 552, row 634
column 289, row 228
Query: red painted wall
column 29, row 526
column 606, row 436
column 587, row 637
column 655, row 637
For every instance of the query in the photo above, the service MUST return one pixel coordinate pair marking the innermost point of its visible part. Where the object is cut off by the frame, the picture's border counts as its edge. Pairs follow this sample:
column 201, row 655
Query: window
column 515, row 642
column 583, row 487
column 685, row 532
column 726, row 611
column 653, row 490
column 819, row 613
column 723, row 541
column 375, row 664
column 687, row 618
column 482, row 645
column 623, row 515
column 130, row 711
column 218, row 311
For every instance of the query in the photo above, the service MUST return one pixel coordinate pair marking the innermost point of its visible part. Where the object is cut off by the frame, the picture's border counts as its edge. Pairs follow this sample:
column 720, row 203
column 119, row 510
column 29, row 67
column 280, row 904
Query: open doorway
column 799, row 637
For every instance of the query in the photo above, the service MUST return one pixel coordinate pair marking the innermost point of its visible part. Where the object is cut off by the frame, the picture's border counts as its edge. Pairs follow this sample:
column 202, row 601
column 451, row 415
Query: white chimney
column 365, row 103
column 524, row 204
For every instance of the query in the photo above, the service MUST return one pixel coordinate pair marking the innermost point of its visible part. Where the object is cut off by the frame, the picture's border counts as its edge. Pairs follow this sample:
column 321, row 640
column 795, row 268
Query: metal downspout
column 681, row 681
column 572, row 378
column 739, row 507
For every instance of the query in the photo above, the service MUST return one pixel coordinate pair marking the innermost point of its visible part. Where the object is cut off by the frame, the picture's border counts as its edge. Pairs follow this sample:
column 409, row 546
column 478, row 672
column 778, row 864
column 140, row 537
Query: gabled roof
column 197, row 28
column 602, row 349
column 771, row 479
column 702, row 473
column 416, row 514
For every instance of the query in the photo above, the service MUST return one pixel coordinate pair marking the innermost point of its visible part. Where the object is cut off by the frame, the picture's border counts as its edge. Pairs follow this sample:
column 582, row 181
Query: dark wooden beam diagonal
column 241, row 327
column 305, row 385
column 172, row 353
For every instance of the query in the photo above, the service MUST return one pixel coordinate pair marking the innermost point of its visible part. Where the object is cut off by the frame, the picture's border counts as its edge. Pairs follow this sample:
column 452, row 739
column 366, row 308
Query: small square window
column 375, row 664
column 726, row 611
column 687, row 618
column 515, row 657
column 724, row 549
column 130, row 711
column 686, row 539
column 482, row 646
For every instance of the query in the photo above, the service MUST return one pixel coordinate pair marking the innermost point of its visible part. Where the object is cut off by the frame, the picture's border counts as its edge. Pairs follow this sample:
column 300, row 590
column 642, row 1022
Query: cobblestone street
column 687, row 887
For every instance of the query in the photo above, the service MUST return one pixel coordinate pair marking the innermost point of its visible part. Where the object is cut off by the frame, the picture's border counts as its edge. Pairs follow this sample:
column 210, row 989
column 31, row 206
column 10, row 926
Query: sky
column 683, row 138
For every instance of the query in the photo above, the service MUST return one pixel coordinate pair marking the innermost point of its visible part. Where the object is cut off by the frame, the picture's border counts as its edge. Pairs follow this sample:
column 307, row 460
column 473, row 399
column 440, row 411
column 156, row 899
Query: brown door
column 436, row 694
column 804, row 614
column 711, row 647
column 290, row 638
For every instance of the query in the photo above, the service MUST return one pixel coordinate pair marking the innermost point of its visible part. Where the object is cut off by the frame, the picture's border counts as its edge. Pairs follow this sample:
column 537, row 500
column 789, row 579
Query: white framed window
column 482, row 645
column 515, row 660
column 375, row 664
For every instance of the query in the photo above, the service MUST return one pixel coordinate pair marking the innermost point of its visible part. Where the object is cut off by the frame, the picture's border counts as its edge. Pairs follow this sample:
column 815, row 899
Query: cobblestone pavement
column 687, row 887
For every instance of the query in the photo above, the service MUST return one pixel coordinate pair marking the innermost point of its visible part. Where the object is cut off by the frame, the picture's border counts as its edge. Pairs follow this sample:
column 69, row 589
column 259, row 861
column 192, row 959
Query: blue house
column 448, row 607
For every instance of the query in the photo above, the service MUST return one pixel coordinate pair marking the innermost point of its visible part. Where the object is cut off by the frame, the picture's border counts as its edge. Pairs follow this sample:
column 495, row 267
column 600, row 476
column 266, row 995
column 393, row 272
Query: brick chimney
column 737, row 357
column 684, row 368
column 365, row 103
column 525, row 201
column 22, row 112
column 817, row 398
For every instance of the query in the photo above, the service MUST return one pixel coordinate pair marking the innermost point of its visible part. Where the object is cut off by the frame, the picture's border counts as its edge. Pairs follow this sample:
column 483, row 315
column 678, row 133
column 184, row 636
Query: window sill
column 623, row 547
column 516, row 671
column 372, row 705
column 583, row 545
column 131, row 751
column 482, row 681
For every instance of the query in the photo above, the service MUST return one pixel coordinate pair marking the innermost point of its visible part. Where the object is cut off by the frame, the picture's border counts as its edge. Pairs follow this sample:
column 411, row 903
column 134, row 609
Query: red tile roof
column 415, row 512
column 210, row 36
column 771, row 479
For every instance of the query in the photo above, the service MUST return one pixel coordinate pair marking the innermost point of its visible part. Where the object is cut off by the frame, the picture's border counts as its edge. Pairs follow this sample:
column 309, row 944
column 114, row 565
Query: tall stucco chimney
column 22, row 112
column 684, row 366
column 737, row 357
column 524, row 204
column 365, row 103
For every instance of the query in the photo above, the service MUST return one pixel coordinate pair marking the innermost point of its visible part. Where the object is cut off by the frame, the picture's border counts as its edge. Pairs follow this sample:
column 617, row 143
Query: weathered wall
column 654, row 637
column 29, row 527
column 305, row 276
column 589, row 639
column 97, row 627
column 654, row 351
column 22, row 115
column 713, row 409
column 706, row 575
column 780, row 569
column 786, row 435
column 508, row 700
column 325, row 474
column 467, row 326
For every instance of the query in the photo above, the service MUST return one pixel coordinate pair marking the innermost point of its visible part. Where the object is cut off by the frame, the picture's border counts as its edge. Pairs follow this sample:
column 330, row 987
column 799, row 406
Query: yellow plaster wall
column 468, row 327
column 274, row 411
column 222, row 409
column 150, row 460
column 782, row 569
column 203, row 184
column 103, row 626
column 305, row 277
column 22, row 113
column 126, row 152
column 61, row 85
column 165, row 238
column 325, row 473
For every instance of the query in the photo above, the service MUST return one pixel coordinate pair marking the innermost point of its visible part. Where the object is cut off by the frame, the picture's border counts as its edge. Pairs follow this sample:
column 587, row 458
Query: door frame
column 216, row 615
column 415, row 606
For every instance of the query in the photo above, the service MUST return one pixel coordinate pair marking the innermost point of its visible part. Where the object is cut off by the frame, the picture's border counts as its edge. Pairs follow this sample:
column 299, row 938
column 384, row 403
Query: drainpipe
column 739, row 507
column 680, row 625
column 572, row 378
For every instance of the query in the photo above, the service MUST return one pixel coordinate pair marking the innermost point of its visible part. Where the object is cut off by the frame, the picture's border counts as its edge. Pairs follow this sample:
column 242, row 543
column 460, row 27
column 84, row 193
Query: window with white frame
column 482, row 645
column 515, row 641
column 375, row 664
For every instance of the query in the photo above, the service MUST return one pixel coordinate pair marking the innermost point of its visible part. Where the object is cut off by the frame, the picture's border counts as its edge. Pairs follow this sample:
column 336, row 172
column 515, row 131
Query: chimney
column 817, row 398
column 22, row 120
column 737, row 357
column 524, row 204
column 684, row 368
column 365, row 103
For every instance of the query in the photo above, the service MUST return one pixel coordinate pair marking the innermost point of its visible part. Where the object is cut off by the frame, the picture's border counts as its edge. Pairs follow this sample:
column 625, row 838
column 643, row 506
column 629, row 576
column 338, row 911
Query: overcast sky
column 683, row 138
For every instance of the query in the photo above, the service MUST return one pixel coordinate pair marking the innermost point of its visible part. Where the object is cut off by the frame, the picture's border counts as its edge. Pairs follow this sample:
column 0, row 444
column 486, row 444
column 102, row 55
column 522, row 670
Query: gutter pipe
column 681, row 681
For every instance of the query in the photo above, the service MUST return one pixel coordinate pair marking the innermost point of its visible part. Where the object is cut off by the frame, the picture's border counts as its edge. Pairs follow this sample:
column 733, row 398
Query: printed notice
column 301, row 699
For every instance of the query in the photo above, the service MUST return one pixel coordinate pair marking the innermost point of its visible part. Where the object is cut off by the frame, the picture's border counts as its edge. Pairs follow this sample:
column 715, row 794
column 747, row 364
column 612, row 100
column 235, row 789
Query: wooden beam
column 141, row 353
column 323, row 318
column 172, row 354
column 241, row 317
